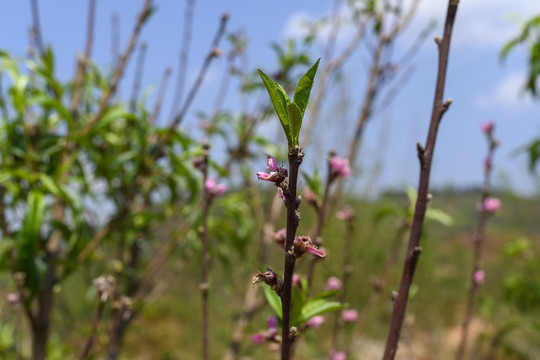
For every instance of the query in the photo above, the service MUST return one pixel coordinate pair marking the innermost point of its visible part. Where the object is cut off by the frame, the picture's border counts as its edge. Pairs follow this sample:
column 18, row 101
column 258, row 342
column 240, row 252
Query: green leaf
column 295, row 117
column 273, row 299
column 49, row 101
column 439, row 216
column 301, row 96
column 280, row 100
column 29, row 240
column 317, row 307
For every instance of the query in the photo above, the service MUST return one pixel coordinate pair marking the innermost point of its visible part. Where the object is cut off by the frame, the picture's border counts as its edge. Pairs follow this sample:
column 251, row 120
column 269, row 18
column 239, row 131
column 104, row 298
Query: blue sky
column 482, row 88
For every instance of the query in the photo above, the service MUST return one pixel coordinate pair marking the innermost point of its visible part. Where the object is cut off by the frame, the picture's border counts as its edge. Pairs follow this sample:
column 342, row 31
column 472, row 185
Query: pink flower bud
column 303, row 244
column 346, row 214
column 479, row 276
column 487, row 164
column 315, row 321
column 340, row 166
column 350, row 315
column 277, row 174
column 333, row 283
column 296, row 280
column 272, row 322
column 491, row 205
column 258, row 338
column 213, row 188
column 487, row 127
column 339, row 355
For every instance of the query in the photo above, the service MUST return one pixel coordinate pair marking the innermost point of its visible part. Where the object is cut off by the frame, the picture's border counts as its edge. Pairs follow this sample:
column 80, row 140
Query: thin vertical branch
column 184, row 57
column 479, row 240
column 214, row 52
column 95, row 324
column 143, row 16
column 425, row 156
column 138, row 77
column 90, row 28
column 115, row 39
column 161, row 95
column 288, row 337
column 204, row 286
column 36, row 28
column 321, row 218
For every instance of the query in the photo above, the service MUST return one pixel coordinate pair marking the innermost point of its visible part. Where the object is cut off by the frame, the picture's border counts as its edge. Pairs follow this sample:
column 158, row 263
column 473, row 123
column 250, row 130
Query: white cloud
column 507, row 93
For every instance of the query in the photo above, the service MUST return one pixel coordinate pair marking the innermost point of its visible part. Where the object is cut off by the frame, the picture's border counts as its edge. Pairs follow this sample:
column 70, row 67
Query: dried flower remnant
column 303, row 244
column 279, row 237
column 104, row 286
column 346, row 214
column 270, row 278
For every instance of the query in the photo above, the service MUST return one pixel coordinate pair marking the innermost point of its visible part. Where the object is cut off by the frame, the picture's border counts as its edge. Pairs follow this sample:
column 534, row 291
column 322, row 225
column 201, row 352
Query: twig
column 138, row 77
column 95, row 323
column 214, row 52
column 205, row 286
column 479, row 240
column 36, row 28
column 160, row 95
column 413, row 250
column 184, row 57
column 115, row 39
column 143, row 16
column 90, row 28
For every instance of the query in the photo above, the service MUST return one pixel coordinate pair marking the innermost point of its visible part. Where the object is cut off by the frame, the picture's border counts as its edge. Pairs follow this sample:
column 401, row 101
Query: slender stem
column 204, row 286
column 321, row 217
column 425, row 156
column 138, row 77
column 160, row 95
column 295, row 159
column 95, row 323
column 478, row 245
column 184, row 56
column 36, row 28
column 338, row 324
column 90, row 28
column 214, row 52
column 143, row 16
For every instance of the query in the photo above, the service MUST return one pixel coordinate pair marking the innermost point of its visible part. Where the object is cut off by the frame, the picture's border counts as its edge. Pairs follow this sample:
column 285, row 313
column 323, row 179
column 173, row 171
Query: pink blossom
column 333, row 283
column 487, row 163
column 487, row 127
column 491, row 205
column 272, row 322
column 340, row 166
column 258, row 338
column 479, row 276
column 276, row 175
column 280, row 193
column 340, row 355
column 213, row 188
column 315, row 321
column 12, row 298
column 296, row 279
column 345, row 214
column 350, row 315
column 303, row 244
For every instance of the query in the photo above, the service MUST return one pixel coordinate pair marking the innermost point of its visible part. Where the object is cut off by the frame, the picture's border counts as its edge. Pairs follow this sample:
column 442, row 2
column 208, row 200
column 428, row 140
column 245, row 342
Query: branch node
column 417, row 250
column 447, row 104
column 438, row 40
column 421, row 151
